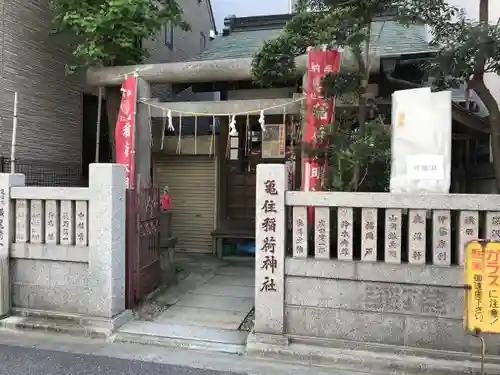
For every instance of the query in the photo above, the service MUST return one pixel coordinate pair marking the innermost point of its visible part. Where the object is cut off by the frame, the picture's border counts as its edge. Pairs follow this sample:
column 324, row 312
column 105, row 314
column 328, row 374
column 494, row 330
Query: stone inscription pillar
column 270, row 233
column 7, row 218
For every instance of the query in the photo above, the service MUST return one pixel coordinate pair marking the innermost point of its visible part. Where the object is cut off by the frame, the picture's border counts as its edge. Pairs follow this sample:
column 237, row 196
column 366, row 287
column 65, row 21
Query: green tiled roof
column 392, row 38
column 395, row 39
column 238, row 44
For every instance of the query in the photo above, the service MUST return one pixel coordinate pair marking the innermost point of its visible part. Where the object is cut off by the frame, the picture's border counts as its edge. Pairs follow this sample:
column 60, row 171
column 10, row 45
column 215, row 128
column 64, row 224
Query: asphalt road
column 27, row 361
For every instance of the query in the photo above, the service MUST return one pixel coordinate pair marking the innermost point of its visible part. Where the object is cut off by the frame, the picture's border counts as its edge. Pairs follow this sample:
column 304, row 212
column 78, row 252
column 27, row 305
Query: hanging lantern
column 165, row 200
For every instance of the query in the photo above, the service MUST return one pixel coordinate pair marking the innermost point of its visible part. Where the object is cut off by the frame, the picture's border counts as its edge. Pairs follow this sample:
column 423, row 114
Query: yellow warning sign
column 482, row 277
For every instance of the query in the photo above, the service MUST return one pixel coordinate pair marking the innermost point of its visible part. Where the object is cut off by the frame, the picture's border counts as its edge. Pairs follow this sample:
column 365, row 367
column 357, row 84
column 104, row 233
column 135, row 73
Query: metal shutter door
column 191, row 181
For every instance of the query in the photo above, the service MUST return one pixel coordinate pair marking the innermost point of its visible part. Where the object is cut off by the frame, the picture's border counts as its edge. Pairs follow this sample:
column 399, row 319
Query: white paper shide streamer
column 262, row 121
column 233, row 132
column 232, row 125
column 170, row 122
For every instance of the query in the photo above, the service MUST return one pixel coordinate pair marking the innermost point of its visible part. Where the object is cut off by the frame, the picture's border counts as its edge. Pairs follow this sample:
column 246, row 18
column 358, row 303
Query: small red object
column 166, row 202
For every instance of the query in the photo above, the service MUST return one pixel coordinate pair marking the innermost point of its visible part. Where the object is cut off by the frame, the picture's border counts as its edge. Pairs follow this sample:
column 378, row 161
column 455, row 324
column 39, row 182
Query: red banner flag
column 320, row 112
column 125, row 130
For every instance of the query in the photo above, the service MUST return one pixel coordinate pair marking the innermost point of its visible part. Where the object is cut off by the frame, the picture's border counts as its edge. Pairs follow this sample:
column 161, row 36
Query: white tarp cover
column 421, row 141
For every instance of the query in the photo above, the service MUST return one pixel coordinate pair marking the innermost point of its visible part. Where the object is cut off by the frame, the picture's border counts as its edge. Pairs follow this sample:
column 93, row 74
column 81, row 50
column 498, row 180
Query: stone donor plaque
column 22, row 220
column 37, row 224
column 300, row 232
column 407, row 299
column 416, row 236
column 344, row 235
column 51, row 222
column 441, row 237
column 369, row 234
column 322, row 233
column 393, row 219
column 81, row 225
column 67, row 223
column 468, row 230
column 493, row 226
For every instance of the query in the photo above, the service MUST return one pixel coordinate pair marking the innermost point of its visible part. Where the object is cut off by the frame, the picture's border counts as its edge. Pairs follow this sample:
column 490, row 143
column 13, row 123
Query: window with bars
column 168, row 30
column 203, row 42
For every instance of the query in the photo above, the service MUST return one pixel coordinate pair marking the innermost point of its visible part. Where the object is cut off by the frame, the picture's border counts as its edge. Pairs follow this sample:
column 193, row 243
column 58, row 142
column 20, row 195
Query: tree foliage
column 111, row 32
column 465, row 51
column 347, row 150
column 358, row 142
column 468, row 50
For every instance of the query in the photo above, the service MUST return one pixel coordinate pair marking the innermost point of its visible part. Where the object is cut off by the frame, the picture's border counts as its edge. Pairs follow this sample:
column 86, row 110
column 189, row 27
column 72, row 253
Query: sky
column 242, row 8
column 472, row 8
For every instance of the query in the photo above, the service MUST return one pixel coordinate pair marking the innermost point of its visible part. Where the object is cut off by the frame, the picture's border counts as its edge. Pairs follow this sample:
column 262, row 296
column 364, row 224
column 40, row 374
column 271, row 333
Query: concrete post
column 7, row 217
column 270, row 233
column 143, row 134
column 107, row 240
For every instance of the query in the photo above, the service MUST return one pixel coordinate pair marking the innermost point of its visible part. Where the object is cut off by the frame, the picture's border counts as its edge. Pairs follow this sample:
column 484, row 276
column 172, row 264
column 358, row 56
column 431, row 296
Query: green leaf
column 110, row 32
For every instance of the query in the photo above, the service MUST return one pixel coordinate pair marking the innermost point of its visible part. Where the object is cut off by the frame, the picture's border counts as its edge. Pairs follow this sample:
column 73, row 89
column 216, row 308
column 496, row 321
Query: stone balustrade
column 46, row 219
column 393, row 228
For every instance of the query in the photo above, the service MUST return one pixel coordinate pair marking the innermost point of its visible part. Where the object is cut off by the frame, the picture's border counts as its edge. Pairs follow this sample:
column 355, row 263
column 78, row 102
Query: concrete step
column 71, row 324
column 371, row 358
column 191, row 337
column 73, row 328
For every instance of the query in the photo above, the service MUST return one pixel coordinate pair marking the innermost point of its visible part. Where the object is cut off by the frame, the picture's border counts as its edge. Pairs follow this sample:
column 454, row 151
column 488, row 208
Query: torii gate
column 237, row 69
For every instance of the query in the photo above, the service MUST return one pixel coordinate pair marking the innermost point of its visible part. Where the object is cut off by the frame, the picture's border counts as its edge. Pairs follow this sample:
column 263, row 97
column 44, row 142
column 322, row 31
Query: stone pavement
column 210, row 308
column 223, row 301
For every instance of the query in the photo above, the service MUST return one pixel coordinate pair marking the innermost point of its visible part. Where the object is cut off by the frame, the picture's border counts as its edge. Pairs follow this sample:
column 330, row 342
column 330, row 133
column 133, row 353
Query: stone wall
column 66, row 245
column 414, row 306
column 342, row 280
column 44, row 284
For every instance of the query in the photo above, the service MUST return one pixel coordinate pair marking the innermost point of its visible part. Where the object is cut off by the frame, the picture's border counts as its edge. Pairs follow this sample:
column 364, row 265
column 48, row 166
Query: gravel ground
column 247, row 324
column 150, row 310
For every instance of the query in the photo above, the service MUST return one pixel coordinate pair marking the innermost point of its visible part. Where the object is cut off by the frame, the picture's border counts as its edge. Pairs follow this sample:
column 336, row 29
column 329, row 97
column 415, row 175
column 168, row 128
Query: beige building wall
column 174, row 44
